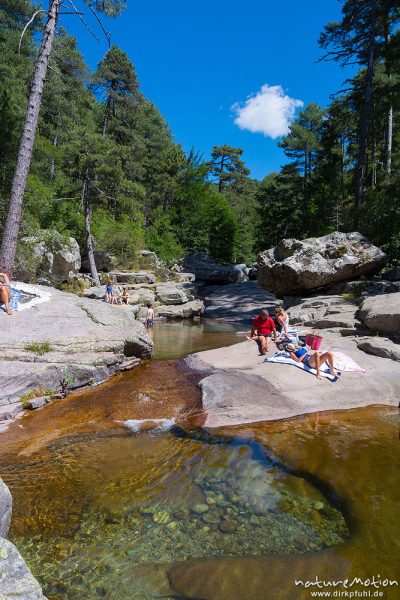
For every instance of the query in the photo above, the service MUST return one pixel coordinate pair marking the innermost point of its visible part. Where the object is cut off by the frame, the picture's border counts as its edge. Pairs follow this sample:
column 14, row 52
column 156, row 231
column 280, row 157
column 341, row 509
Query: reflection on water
column 176, row 339
column 116, row 488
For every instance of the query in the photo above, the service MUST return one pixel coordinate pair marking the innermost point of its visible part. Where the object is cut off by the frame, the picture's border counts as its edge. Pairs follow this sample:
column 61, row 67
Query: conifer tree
column 10, row 235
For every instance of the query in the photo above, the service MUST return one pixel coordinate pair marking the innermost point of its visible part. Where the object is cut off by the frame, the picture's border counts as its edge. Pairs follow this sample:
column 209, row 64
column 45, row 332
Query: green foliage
column 143, row 188
column 227, row 167
column 161, row 237
column 39, row 348
column 352, row 296
column 73, row 286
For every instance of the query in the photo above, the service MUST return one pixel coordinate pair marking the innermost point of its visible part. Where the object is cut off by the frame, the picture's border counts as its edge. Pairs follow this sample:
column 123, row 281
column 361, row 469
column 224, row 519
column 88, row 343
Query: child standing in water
column 149, row 316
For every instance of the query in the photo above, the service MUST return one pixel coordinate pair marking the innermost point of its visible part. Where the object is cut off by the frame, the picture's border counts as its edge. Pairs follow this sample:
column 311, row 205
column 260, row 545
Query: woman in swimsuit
column 314, row 361
column 281, row 320
column 5, row 292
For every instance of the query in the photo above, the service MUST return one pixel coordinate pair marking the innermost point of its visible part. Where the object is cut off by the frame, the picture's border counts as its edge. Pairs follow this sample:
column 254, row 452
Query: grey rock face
column 104, row 262
column 392, row 275
column 16, row 580
column 185, row 277
column 182, row 311
column 380, row 347
column 324, row 312
column 168, row 293
column 54, row 254
column 96, row 292
column 88, row 341
column 133, row 277
column 295, row 266
column 382, row 313
column 372, row 287
column 238, row 301
column 5, row 509
column 206, row 269
column 149, row 260
column 38, row 402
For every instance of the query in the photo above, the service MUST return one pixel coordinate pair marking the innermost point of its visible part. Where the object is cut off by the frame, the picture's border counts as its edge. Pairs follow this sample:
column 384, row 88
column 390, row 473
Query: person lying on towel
column 313, row 361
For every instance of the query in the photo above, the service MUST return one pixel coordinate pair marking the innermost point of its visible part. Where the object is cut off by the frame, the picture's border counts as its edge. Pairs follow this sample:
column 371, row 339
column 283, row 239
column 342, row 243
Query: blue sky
column 197, row 60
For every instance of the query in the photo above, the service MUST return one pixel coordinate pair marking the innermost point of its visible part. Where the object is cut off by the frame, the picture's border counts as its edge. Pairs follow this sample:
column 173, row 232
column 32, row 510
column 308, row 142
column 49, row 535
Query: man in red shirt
column 262, row 329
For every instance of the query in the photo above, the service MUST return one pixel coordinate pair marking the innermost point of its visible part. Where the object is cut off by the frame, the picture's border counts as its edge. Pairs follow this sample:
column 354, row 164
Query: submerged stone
column 227, row 527
column 199, row 509
column 162, row 517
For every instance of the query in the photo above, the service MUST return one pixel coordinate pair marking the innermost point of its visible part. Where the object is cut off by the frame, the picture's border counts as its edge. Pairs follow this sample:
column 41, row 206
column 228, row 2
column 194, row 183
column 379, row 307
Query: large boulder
column 168, row 293
column 206, row 269
column 149, row 260
column 382, row 313
column 48, row 253
column 5, row 509
column 392, row 275
column 298, row 266
column 104, row 262
column 380, row 347
column 16, row 580
column 182, row 311
column 133, row 277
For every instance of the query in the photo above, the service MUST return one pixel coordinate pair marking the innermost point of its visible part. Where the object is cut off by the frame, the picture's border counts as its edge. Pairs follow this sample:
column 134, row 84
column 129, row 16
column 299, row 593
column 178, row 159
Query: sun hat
column 290, row 347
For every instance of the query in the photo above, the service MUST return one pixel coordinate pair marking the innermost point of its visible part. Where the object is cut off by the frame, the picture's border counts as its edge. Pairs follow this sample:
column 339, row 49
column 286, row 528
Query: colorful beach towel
column 284, row 358
column 343, row 362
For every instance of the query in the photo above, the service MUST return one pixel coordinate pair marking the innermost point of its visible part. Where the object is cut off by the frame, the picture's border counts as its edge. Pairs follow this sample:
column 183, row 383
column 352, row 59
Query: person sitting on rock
column 313, row 361
column 261, row 331
column 109, row 291
column 282, row 321
column 5, row 292
column 125, row 296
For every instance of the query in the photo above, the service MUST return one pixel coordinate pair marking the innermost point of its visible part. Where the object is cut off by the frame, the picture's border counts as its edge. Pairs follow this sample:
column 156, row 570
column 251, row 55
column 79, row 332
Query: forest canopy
column 99, row 136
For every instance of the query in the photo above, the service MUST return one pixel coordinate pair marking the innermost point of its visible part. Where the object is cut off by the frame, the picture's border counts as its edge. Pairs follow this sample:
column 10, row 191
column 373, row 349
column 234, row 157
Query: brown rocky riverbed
column 160, row 507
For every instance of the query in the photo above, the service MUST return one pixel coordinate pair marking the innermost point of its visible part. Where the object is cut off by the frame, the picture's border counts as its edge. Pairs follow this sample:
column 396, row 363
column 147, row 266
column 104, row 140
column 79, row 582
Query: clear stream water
column 119, row 493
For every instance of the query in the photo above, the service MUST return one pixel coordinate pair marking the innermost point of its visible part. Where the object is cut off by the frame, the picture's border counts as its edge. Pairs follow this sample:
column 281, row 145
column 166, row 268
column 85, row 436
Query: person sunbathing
column 313, row 361
column 5, row 292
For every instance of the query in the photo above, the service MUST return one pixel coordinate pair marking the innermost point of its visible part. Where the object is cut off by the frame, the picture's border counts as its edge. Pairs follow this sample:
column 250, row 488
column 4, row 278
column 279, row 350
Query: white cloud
column 269, row 112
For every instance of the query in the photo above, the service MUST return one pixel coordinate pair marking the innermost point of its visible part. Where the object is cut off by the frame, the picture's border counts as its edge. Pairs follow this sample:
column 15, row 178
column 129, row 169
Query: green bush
column 38, row 348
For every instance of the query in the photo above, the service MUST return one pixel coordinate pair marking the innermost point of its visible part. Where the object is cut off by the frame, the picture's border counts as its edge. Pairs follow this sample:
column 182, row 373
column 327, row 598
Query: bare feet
column 8, row 311
column 319, row 377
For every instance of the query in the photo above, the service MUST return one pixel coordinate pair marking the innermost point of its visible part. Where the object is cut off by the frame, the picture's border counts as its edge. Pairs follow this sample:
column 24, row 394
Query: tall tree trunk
column 88, row 234
column 13, row 221
column 220, row 173
column 389, row 115
column 364, row 125
column 373, row 159
column 53, row 161
column 106, row 115
column 389, row 140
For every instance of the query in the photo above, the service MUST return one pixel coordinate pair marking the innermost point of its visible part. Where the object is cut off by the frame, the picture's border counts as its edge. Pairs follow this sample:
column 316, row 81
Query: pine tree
column 227, row 166
column 13, row 221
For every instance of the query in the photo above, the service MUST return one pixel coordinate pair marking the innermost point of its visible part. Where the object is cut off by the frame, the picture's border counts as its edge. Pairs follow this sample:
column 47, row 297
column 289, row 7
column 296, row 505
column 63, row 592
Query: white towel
column 284, row 358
